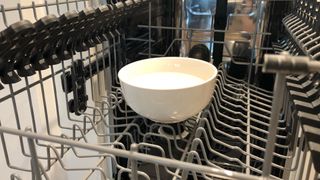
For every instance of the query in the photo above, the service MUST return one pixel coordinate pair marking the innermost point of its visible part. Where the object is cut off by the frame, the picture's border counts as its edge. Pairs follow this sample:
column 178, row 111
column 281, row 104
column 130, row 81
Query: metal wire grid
column 223, row 127
column 45, row 100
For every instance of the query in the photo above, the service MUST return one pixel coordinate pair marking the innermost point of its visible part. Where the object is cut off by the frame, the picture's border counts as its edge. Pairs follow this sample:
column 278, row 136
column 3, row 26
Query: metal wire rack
column 43, row 138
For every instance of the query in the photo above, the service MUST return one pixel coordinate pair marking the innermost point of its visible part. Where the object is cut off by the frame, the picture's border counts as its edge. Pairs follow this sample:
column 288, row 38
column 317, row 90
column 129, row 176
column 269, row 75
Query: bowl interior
column 167, row 73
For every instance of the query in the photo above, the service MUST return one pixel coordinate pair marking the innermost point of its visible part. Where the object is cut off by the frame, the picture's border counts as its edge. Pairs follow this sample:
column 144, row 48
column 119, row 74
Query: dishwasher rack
column 74, row 107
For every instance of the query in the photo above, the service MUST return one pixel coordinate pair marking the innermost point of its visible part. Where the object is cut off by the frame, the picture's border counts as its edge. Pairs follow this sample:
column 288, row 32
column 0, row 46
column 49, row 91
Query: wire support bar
column 204, row 30
column 226, row 174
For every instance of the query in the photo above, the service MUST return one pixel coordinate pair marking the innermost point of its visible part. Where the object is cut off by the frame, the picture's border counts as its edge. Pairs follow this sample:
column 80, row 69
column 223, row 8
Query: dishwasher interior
column 63, row 115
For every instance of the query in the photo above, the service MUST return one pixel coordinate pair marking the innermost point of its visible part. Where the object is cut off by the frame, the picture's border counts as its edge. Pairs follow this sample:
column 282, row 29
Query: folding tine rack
column 63, row 114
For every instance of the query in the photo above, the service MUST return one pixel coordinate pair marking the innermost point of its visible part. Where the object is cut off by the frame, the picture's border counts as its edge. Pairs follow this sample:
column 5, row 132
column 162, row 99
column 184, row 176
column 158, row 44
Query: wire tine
column 91, row 76
column 4, row 17
column 44, row 101
column 34, row 11
column 34, row 124
column 46, row 6
column 68, row 5
column 34, row 158
column 31, row 105
column 185, row 173
column 58, row 7
column 163, row 154
column 76, row 153
column 84, row 4
column 110, row 61
column 236, row 138
column 194, row 147
column 97, row 66
column 20, row 11
column 104, row 68
column 134, row 165
column 56, row 99
column 115, row 60
column 77, row 5
column 310, row 168
column 75, row 169
column 43, row 171
column 6, row 154
column 82, row 132
column 15, row 177
column 15, row 109
column 157, row 171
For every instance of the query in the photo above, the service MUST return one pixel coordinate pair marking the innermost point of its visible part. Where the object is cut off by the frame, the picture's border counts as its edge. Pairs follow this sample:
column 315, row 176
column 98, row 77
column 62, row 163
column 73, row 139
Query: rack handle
column 287, row 64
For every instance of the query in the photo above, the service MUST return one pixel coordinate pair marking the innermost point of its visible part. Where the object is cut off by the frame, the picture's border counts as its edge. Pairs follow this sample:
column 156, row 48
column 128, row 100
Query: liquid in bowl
column 166, row 80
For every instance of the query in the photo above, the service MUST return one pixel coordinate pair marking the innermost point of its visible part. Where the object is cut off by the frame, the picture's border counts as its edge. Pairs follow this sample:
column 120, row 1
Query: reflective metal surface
column 197, row 14
column 242, row 17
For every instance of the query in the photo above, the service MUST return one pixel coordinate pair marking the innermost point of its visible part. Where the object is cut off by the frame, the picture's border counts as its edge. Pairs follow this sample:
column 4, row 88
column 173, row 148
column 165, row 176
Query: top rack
column 67, row 118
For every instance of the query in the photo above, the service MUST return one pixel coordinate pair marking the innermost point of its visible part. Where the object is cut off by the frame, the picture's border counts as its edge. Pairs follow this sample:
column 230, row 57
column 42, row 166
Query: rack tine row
column 52, row 39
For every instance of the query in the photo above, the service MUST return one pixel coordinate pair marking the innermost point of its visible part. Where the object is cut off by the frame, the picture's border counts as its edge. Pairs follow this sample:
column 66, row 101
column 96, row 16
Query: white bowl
column 168, row 89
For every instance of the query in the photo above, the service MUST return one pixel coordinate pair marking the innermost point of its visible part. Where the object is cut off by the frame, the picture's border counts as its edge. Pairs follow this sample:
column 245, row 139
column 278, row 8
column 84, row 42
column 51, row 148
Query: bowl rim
column 211, row 78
